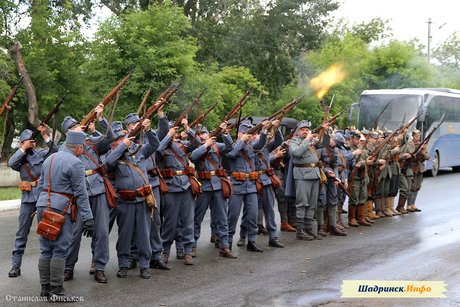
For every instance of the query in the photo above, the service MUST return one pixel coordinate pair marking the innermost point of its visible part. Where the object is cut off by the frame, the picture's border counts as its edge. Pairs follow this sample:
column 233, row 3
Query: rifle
column 144, row 100
column 154, row 108
column 184, row 114
column 279, row 115
column 329, row 121
column 326, row 114
column 202, row 116
column 10, row 96
column 237, row 107
column 428, row 137
column 92, row 114
column 374, row 123
column 48, row 116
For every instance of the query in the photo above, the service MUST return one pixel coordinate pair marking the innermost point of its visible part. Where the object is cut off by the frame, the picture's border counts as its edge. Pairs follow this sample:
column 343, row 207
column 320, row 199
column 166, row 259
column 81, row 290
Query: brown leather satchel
column 51, row 222
column 227, row 187
column 195, row 185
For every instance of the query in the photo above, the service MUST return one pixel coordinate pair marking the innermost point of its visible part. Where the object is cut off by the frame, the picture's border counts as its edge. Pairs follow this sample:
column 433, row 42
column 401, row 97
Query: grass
column 10, row 193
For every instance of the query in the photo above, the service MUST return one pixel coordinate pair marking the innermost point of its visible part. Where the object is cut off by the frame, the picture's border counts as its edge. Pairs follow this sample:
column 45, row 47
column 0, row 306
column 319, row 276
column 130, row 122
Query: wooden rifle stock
column 237, row 107
column 330, row 121
column 144, row 101
column 48, row 116
column 154, row 108
column 189, row 109
column 8, row 99
column 202, row 116
column 92, row 114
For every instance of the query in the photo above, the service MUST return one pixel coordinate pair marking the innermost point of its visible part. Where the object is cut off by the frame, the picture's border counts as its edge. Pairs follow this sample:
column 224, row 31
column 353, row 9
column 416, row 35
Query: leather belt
column 310, row 165
column 245, row 176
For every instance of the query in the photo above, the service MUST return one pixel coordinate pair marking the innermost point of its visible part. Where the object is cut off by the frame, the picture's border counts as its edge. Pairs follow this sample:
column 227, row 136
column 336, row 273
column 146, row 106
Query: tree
column 448, row 53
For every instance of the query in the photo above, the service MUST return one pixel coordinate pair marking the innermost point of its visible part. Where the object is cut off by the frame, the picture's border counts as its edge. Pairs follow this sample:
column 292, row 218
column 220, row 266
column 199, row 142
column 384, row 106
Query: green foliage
column 155, row 42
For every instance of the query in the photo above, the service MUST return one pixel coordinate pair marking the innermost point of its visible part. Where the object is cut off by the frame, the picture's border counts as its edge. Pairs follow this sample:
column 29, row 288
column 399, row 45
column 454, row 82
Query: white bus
column 431, row 104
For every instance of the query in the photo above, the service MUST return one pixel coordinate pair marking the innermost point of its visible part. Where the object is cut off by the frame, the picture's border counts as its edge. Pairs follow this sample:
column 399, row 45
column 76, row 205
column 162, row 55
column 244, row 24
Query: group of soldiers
column 159, row 184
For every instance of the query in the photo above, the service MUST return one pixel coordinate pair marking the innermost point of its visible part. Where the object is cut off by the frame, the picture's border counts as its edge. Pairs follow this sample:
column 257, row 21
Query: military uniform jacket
column 344, row 162
column 408, row 147
column 330, row 160
column 67, row 176
column 360, row 173
column 303, row 152
column 239, row 164
column 265, row 153
column 200, row 157
column 127, row 178
column 167, row 160
column 417, row 162
column 385, row 154
column 34, row 161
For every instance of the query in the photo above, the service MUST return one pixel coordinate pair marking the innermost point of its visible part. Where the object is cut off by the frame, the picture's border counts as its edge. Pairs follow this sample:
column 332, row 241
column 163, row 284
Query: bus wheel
column 456, row 168
column 435, row 167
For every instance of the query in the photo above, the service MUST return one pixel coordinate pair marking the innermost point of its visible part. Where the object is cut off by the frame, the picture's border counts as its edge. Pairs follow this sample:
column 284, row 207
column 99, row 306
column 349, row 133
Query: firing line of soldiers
column 158, row 187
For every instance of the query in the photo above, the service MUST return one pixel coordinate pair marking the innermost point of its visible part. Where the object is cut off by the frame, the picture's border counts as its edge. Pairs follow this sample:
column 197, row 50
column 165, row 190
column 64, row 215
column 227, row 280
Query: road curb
column 12, row 204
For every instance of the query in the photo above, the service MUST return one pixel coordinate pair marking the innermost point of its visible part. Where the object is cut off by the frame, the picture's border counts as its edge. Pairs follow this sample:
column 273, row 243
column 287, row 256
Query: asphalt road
column 417, row 246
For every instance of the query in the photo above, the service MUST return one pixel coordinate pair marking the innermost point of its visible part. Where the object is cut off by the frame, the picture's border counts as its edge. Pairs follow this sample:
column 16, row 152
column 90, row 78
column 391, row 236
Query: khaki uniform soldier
column 357, row 182
column 405, row 180
column 418, row 168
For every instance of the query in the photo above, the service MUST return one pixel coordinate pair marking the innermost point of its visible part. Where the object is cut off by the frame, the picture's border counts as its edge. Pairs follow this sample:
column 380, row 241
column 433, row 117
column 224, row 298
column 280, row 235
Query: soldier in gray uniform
column 418, row 168
column 244, row 177
column 179, row 203
column 128, row 164
column 208, row 162
column 306, row 173
column 331, row 160
column 62, row 178
column 405, row 179
column 28, row 162
column 263, row 167
column 95, row 146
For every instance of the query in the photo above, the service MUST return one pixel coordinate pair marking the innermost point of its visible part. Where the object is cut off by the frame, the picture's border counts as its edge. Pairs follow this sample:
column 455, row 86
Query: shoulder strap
column 261, row 156
column 137, row 169
column 176, row 156
column 49, row 183
column 344, row 162
column 28, row 171
column 313, row 149
column 247, row 160
column 92, row 145
column 91, row 157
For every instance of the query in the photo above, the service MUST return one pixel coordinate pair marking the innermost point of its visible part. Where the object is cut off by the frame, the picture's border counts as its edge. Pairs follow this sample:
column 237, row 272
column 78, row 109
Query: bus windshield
column 401, row 107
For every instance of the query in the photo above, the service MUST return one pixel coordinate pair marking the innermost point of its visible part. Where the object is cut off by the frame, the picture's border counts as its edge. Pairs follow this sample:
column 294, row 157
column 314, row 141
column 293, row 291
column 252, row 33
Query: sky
column 408, row 18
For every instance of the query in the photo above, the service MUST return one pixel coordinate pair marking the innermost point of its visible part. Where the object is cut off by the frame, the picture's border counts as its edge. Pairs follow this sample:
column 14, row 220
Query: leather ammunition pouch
column 227, row 187
column 132, row 194
column 26, row 186
column 276, row 181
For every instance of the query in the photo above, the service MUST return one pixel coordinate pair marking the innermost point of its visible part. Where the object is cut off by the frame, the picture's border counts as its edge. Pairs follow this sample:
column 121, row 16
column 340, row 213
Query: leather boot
column 390, row 203
column 14, row 272
column 262, row 230
column 188, row 259
column 337, row 232
column 322, row 230
column 370, row 210
column 416, row 209
column 46, row 288
column 159, row 264
column 274, row 242
column 68, row 275
column 164, row 257
column 361, row 214
column 340, row 223
column 351, row 216
column 241, row 241
column 58, row 295
column 302, row 235
column 387, row 205
column 100, row 277
column 409, row 208
column 145, row 274
column 226, row 253
column 286, row 227
column 401, row 203
column 253, row 247
column 193, row 252
column 311, row 233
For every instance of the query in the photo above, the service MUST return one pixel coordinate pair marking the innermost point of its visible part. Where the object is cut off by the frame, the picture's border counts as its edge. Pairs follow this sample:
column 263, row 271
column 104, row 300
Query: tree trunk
column 32, row 117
